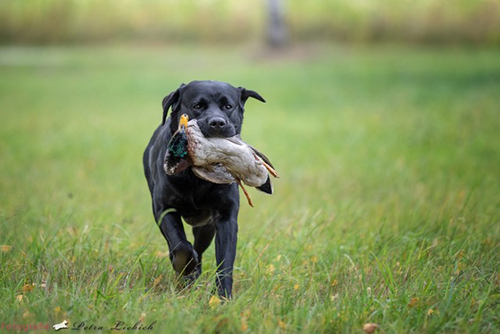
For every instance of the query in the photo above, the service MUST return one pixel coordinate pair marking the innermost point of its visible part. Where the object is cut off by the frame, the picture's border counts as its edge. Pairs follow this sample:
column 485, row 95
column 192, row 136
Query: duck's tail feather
column 267, row 187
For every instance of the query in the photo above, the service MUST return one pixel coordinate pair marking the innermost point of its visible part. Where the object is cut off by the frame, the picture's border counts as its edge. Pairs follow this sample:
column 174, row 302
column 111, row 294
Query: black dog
column 211, row 209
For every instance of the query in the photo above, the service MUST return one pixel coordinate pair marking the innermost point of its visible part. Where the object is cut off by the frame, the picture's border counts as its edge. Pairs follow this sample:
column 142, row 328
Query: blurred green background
column 382, row 119
column 223, row 21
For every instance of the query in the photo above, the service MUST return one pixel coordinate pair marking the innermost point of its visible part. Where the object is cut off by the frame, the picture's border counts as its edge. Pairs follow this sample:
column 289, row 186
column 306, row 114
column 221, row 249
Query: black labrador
column 211, row 209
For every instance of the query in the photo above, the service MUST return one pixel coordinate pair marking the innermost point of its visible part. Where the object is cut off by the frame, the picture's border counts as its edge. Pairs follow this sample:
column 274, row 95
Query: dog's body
column 211, row 209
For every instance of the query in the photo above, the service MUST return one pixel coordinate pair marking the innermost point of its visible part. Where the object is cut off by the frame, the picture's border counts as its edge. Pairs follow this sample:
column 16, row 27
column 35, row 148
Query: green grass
column 387, row 210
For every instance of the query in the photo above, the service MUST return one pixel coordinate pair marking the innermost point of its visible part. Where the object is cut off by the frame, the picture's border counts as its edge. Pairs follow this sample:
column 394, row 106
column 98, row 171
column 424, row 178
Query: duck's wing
column 265, row 161
column 261, row 156
column 214, row 173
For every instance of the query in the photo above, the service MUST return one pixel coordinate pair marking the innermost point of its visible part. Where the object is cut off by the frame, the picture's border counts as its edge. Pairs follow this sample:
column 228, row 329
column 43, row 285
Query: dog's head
column 217, row 106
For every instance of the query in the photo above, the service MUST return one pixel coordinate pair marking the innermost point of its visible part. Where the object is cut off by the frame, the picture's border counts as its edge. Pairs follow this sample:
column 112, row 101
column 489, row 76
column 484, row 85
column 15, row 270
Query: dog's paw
column 184, row 259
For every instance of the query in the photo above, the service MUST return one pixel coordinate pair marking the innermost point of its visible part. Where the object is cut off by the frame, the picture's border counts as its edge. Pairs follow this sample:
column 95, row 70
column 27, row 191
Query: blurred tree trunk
column 277, row 33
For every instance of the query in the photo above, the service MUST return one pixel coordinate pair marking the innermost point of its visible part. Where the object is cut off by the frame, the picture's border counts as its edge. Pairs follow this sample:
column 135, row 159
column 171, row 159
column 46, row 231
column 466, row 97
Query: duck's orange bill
column 183, row 122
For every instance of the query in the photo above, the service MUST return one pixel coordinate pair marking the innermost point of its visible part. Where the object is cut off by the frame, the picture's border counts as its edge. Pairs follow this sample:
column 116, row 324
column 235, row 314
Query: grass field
column 387, row 210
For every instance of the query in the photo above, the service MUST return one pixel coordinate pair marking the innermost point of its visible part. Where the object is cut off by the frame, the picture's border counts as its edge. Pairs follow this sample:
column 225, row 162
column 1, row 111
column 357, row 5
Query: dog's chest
column 203, row 218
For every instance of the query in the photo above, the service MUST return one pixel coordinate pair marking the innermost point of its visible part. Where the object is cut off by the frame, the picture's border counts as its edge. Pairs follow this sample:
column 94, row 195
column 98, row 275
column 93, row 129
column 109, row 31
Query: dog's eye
column 197, row 106
column 228, row 107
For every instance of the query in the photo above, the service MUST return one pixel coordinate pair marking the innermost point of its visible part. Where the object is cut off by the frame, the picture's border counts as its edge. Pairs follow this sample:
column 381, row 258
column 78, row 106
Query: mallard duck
column 218, row 160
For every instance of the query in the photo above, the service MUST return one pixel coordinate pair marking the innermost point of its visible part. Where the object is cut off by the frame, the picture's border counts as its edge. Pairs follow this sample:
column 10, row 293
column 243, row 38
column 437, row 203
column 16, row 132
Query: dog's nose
column 217, row 123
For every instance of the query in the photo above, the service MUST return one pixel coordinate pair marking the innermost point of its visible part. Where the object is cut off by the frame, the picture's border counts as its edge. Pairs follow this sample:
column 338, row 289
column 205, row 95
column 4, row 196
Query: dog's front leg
column 182, row 254
column 225, row 252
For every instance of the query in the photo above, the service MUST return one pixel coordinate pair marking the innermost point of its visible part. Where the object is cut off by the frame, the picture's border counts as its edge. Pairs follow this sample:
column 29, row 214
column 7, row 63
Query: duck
column 218, row 160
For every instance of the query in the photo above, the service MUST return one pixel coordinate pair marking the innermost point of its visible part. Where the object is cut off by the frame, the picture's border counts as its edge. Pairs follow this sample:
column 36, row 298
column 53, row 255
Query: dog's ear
column 246, row 93
column 171, row 100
